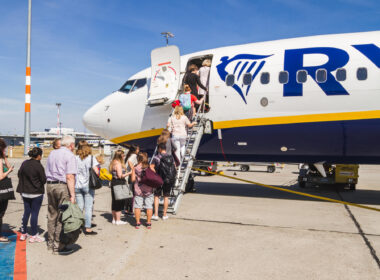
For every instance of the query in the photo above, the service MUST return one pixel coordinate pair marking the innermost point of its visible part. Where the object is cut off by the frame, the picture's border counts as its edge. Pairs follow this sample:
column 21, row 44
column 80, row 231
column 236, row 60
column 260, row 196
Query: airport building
column 44, row 138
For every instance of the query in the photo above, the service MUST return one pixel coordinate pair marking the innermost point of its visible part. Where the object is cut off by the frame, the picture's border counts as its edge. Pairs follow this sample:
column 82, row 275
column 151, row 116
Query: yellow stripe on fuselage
column 138, row 135
column 327, row 117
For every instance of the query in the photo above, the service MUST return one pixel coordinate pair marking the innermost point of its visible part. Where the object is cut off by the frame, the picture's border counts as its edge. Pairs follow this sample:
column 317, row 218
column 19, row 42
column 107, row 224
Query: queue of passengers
column 67, row 176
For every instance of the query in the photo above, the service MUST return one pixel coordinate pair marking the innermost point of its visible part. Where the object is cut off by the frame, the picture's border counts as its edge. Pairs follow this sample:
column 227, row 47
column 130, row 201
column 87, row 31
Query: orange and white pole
column 27, row 84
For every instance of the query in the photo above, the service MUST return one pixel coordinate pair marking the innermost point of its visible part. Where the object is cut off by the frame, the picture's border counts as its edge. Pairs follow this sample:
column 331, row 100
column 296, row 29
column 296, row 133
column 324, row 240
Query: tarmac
column 226, row 230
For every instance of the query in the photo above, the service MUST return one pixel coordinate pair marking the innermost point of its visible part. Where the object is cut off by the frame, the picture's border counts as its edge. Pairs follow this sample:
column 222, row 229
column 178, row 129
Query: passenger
column 84, row 195
column 119, row 173
column 131, row 159
column 192, row 79
column 188, row 102
column 6, row 189
column 204, row 74
column 143, row 193
column 61, row 169
column 101, row 161
column 164, row 165
column 177, row 124
column 163, row 138
column 57, row 143
column 32, row 179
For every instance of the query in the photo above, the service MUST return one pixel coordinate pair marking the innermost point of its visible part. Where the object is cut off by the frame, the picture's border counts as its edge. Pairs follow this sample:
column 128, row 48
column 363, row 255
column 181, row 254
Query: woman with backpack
column 188, row 101
column 177, row 124
column 84, row 195
column 143, row 193
column 163, row 164
column 31, row 181
column 6, row 190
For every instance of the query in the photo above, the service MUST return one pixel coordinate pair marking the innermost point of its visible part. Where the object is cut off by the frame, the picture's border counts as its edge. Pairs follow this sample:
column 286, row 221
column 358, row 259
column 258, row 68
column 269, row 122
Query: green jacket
column 72, row 218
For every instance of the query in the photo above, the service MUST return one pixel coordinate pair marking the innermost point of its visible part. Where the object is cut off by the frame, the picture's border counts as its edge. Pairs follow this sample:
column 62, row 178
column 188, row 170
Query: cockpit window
column 139, row 84
column 127, row 86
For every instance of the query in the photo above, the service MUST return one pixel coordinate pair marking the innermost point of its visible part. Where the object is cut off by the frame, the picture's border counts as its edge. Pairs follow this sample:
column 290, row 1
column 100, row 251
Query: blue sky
column 84, row 49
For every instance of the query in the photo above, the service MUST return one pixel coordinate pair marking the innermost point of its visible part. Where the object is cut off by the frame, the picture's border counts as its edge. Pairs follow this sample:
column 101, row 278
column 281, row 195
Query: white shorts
column 146, row 201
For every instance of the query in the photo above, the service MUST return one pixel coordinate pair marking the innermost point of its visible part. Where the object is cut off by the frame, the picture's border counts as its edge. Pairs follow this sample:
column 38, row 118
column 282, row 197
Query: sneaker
column 119, row 223
column 113, row 222
column 36, row 239
column 23, row 236
column 154, row 217
column 165, row 217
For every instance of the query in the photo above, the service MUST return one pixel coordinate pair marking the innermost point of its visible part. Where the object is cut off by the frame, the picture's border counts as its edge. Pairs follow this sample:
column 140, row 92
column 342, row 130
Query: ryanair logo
column 238, row 66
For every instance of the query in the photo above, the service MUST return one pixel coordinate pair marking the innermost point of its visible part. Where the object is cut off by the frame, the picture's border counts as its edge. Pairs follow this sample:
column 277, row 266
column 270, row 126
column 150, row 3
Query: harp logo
column 238, row 66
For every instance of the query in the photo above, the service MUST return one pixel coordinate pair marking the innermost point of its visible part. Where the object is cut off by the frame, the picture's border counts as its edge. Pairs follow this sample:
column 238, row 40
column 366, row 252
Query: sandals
column 4, row 239
column 148, row 225
column 137, row 226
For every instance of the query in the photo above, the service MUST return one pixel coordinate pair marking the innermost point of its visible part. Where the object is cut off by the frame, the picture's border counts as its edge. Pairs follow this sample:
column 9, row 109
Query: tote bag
column 122, row 191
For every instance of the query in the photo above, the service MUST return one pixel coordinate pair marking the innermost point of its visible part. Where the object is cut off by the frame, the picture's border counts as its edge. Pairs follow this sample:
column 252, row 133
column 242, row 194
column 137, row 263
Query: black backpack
column 167, row 170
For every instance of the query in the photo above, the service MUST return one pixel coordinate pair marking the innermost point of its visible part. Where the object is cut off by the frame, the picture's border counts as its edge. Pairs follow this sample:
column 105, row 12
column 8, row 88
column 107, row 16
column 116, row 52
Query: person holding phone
column 6, row 189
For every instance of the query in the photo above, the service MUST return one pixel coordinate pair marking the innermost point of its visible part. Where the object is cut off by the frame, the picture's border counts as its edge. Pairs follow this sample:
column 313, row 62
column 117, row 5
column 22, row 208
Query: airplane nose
column 93, row 119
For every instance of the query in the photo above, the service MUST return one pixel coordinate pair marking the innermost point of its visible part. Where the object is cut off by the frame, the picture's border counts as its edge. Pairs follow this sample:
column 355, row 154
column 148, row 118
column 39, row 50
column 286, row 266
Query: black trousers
column 3, row 208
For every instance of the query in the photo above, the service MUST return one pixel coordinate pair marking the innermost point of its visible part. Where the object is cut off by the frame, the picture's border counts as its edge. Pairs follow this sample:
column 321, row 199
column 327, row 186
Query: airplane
column 310, row 99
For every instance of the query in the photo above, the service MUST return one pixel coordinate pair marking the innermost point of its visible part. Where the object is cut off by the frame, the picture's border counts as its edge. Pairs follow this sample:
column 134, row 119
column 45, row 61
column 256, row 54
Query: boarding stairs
column 193, row 140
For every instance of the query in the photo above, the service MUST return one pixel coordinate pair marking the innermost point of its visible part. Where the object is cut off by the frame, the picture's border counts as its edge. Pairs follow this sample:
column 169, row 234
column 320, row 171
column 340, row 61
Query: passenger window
column 247, row 79
column 283, row 77
column 139, row 84
column 301, row 76
column 230, row 80
column 265, row 78
column 321, row 75
column 362, row 74
column 127, row 86
column 341, row 74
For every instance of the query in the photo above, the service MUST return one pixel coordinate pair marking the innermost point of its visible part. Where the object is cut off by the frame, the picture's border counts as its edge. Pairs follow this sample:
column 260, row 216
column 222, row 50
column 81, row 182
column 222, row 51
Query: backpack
column 167, row 169
column 185, row 100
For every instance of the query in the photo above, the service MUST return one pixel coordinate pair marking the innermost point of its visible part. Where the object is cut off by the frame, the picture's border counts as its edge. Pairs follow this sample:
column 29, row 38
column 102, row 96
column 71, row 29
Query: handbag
column 95, row 182
column 151, row 179
column 122, row 192
column 6, row 189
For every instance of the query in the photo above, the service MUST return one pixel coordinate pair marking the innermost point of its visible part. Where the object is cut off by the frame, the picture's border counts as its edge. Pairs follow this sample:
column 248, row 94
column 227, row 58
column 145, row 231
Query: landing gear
column 190, row 184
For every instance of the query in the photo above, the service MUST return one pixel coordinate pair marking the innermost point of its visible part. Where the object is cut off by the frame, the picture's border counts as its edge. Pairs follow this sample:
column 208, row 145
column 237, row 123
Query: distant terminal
column 44, row 138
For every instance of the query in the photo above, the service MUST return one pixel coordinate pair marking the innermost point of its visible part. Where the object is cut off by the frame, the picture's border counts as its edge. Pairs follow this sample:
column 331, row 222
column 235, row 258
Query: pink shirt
column 178, row 127
column 141, row 189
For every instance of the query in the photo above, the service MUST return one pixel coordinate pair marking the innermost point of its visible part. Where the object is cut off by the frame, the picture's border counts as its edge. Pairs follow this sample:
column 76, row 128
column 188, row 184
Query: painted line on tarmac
column 13, row 258
column 362, row 234
column 291, row 191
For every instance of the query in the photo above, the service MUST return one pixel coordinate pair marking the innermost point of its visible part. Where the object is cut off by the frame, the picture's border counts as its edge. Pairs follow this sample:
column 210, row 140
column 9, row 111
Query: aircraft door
column 165, row 77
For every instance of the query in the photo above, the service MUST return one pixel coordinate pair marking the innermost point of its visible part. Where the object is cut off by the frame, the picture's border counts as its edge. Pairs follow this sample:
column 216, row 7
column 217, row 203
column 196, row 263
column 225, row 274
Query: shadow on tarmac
column 236, row 189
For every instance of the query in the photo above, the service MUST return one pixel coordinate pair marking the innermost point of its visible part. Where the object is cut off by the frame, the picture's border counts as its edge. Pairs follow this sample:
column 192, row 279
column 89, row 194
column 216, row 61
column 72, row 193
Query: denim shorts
column 147, row 201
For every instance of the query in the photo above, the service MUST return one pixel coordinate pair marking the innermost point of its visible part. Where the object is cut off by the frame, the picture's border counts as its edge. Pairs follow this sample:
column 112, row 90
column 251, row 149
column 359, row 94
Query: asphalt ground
column 227, row 230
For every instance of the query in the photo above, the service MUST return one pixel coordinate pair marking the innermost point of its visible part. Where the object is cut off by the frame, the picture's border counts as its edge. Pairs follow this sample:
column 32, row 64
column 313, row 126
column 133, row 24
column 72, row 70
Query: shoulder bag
column 94, row 181
column 122, row 191
column 6, row 189
column 151, row 178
